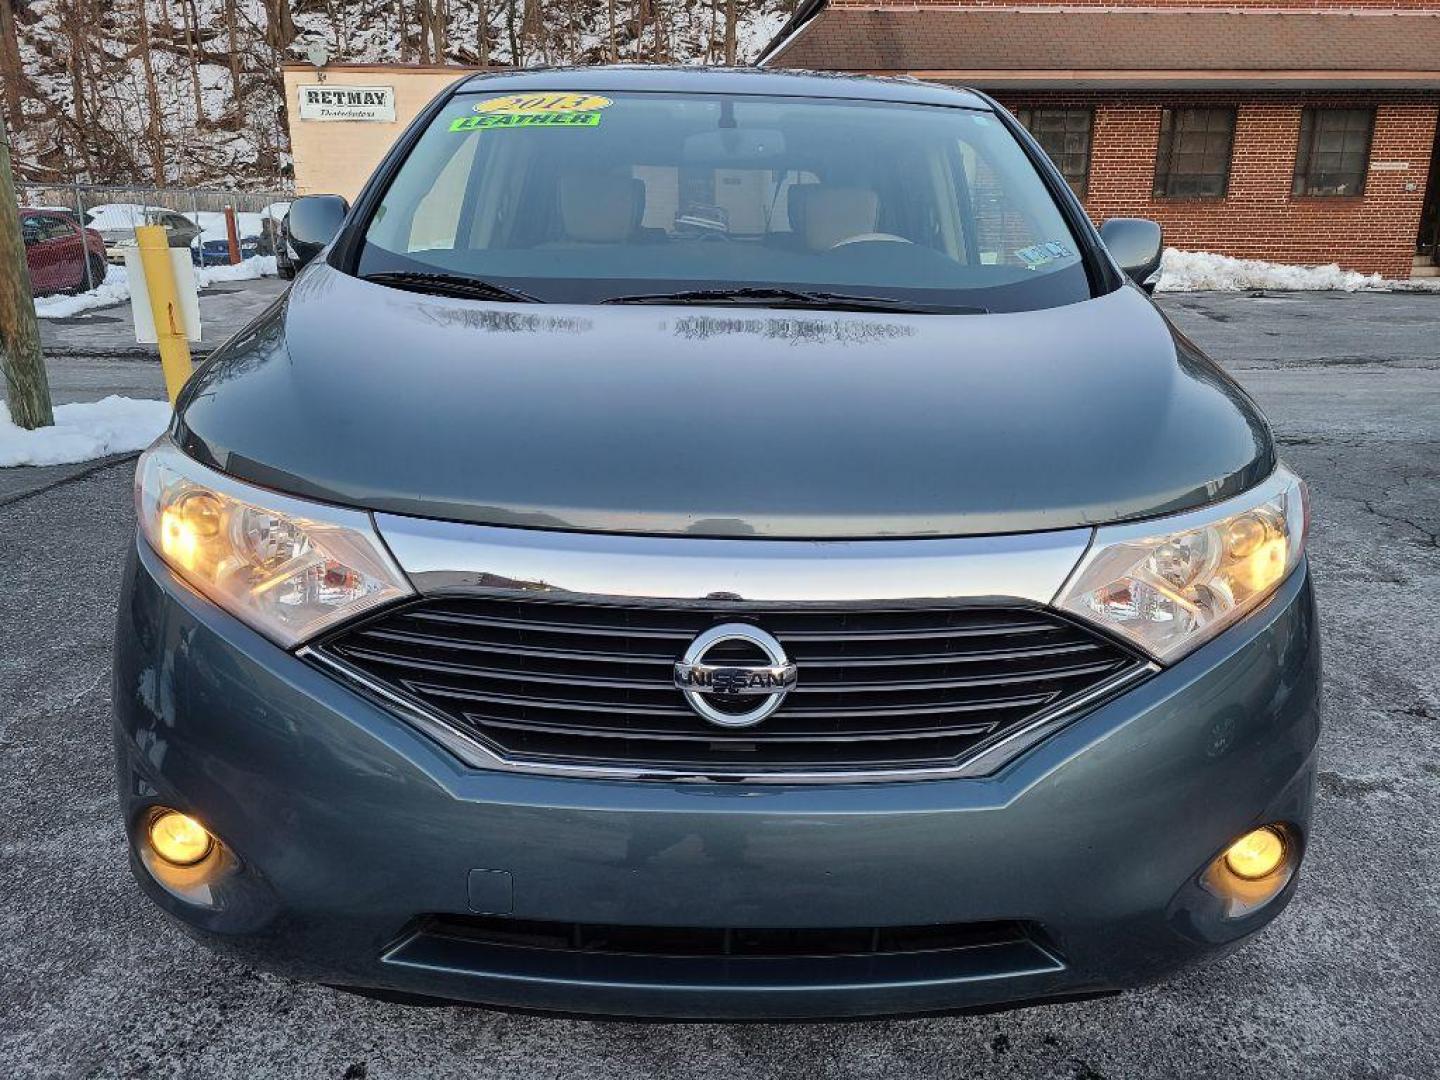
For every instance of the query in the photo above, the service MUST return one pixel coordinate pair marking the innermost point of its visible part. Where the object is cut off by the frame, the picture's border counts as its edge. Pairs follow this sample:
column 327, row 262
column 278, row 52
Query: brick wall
column 1259, row 218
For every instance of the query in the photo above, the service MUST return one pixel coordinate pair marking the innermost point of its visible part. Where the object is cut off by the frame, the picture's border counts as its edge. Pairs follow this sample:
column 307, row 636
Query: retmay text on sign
column 373, row 103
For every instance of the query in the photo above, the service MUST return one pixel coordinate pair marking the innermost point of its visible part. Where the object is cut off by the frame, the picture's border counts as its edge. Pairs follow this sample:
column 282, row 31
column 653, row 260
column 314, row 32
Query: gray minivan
column 717, row 544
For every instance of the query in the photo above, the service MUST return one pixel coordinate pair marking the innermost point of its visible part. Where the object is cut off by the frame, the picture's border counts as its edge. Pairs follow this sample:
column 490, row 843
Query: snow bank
column 84, row 431
column 257, row 267
column 1195, row 271
column 115, row 289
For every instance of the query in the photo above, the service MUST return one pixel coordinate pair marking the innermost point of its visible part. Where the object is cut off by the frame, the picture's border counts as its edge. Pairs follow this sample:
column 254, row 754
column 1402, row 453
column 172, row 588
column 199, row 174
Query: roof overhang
column 993, row 79
column 1030, row 46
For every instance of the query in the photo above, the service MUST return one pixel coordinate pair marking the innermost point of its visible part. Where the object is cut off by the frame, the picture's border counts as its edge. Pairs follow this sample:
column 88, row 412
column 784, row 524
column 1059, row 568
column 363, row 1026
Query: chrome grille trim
column 515, row 644
column 445, row 556
column 475, row 754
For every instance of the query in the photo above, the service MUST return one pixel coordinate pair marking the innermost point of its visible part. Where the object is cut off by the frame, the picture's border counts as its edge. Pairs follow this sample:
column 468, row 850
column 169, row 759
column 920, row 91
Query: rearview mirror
column 732, row 146
column 314, row 222
column 1137, row 245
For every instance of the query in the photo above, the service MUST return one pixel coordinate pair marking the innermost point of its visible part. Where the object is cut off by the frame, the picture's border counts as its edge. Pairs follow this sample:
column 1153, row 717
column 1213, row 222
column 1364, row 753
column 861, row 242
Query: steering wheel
column 865, row 238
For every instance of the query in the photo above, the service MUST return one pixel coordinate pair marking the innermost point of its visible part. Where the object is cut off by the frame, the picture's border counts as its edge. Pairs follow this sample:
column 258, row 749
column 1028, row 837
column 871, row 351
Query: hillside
column 188, row 92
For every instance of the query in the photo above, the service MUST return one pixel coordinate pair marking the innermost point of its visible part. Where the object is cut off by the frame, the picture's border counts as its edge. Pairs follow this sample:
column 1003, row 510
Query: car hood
column 713, row 421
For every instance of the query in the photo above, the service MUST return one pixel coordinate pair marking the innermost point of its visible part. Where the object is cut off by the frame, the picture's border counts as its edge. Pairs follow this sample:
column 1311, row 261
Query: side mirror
column 314, row 221
column 1137, row 245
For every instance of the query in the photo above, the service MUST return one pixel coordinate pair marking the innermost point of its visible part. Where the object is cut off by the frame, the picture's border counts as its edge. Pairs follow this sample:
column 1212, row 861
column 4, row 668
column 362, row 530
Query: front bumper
column 348, row 825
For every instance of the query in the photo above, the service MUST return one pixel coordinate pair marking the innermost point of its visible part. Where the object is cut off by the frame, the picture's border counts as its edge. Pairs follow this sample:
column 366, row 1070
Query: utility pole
column 26, row 388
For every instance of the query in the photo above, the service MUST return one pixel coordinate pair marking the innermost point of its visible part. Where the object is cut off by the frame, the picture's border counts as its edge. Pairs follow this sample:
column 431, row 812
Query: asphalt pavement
column 95, row 982
column 108, row 333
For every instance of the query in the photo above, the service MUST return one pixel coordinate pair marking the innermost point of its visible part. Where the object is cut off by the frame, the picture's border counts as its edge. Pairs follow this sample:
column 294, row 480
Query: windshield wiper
column 766, row 296
column 458, row 285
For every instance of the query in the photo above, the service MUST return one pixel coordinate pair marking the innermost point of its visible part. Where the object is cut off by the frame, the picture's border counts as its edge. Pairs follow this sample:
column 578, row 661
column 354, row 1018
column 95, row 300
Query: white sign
column 348, row 103
column 189, row 313
column 1389, row 166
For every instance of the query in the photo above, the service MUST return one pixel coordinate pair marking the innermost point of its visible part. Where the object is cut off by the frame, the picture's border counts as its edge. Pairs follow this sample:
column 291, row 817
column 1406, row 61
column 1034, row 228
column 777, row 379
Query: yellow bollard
column 165, row 306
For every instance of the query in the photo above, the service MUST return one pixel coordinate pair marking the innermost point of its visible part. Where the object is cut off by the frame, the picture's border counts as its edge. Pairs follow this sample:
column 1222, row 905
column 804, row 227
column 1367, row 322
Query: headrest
column 824, row 214
column 596, row 208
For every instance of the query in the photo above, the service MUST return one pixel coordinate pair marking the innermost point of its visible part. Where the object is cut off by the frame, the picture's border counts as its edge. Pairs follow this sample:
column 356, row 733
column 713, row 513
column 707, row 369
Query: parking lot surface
column 109, row 333
column 94, row 982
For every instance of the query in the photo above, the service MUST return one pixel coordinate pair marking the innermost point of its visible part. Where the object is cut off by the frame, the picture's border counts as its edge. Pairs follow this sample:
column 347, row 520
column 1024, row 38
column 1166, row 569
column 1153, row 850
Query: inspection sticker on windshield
column 535, row 110
column 1039, row 254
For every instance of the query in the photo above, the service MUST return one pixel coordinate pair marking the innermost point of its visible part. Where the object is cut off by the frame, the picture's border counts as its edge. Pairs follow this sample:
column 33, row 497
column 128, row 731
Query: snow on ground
column 258, row 267
column 115, row 289
column 1199, row 271
column 84, row 431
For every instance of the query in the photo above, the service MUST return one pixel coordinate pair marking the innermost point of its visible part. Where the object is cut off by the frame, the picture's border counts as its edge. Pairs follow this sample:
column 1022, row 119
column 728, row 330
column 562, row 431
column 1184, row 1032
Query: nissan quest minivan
column 717, row 544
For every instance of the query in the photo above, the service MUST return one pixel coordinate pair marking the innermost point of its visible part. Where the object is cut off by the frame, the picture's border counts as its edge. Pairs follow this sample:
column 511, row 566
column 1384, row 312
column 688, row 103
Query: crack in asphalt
column 1401, row 519
column 55, row 709
column 1398, row 363
column 83, row 473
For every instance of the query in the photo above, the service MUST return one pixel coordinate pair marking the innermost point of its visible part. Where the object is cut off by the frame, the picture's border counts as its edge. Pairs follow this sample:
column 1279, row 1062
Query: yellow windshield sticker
column 534, row 110
column 543, row 104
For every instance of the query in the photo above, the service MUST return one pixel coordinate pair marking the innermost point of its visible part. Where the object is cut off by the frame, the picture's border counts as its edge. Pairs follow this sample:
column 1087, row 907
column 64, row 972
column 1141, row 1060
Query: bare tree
column 661, row 22
column 279, row 25
column 642, row 17
column 532, row 30
column 483, row 44
column 731, row 25
column 12, row 70
column 72, row 23
column 154, row 120
column 517, row 51
column 232, row 34
column 190, row 16
column 439, row 27
column 422, row 17
column 400, row 31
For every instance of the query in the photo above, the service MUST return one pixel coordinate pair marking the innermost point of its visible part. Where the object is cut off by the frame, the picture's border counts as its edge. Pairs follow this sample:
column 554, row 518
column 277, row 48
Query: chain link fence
column 74, row 233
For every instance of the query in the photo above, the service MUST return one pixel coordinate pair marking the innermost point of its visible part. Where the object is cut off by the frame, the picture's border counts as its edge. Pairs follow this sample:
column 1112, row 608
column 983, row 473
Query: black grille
column 549, row 681
column 703, row 972
column 722, row 941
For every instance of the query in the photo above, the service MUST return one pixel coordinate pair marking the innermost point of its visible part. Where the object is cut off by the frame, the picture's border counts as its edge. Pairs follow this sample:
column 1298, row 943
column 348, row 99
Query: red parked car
column 57, row 249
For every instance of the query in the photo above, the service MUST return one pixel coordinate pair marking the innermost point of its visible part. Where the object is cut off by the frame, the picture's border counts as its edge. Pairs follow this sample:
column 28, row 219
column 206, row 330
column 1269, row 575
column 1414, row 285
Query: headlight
column 287, row 567
column 1171, row 584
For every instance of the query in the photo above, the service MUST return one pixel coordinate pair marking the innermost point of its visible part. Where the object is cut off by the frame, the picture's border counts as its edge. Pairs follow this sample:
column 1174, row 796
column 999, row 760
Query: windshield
column 581, row 198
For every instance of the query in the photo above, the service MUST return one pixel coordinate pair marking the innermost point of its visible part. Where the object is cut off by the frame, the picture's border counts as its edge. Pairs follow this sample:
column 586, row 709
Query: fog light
column 178, row 838
column 1257, row 854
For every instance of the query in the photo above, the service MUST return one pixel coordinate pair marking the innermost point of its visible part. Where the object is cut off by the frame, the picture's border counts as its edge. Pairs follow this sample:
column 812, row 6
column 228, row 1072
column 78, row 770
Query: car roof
column 760, row 81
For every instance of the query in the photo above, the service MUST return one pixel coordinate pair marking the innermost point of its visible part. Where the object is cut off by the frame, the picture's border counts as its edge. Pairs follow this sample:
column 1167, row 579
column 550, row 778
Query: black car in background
column 284, row 254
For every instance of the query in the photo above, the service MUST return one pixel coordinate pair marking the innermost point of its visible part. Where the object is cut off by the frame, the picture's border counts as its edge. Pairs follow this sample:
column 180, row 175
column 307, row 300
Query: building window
column 1334, row 151
column 1064, row 134
column 1194, row 157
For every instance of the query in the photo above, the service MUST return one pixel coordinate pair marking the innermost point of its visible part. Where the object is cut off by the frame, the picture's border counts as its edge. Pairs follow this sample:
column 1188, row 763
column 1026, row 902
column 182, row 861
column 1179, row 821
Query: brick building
column 1299, row 131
